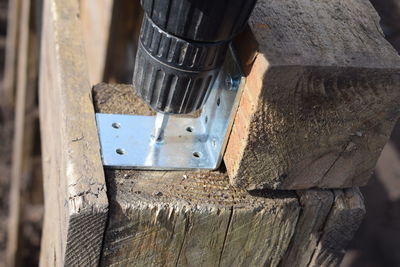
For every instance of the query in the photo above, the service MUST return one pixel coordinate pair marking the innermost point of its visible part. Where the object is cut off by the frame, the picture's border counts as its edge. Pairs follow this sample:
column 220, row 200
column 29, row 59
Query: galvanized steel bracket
column 189, row 143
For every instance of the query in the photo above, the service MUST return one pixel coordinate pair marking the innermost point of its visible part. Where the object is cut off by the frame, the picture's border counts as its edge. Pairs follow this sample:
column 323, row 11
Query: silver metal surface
column 189, row 143
column 159, row 127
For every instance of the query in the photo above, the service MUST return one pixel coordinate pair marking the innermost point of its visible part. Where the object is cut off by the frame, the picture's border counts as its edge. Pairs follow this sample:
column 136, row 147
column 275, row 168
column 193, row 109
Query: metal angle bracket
column 189, row 143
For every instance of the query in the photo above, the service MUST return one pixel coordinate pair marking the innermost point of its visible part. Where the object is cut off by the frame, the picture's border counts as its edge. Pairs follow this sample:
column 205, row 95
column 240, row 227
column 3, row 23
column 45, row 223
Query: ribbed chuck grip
column 173, row 75
column 200, row 20
column 182, row 46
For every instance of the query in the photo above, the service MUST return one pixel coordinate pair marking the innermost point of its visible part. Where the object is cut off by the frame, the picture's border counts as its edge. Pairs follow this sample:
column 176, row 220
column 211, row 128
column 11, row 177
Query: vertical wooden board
column 343, row 221
column 54, row 225
column 315, row 205
column 96, row 18
column 76, row 204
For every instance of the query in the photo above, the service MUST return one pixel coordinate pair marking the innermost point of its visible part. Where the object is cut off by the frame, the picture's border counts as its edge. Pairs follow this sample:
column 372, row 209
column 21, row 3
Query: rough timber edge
column 76, row 204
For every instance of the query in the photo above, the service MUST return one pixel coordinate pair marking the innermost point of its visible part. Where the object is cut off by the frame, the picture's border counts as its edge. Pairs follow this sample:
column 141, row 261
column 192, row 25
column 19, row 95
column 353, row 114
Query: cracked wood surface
column 316, row 205
column 193, row 219
column 342, row 223
column 76, row 203
column 199, row 219
column 321, row 96
column 327, row 223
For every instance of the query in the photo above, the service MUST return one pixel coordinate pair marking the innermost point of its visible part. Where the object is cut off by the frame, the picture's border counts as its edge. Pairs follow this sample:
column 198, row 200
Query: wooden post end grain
column 320, row 100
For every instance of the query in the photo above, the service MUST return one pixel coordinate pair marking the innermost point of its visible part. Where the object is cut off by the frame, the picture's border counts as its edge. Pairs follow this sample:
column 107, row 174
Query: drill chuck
column 182, row 47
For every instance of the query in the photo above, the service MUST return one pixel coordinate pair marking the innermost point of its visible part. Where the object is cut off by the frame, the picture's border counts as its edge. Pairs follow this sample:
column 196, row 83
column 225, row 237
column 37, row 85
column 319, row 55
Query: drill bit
column 159, row 127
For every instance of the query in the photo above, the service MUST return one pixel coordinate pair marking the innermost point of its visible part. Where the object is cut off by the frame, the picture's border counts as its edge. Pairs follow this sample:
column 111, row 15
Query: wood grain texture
column 343, row 221
column 76, row 204
column 327, row 223
column 96, row 18
column 188, row 218
column 320, row 100
column 164, row 219
column 316, row 205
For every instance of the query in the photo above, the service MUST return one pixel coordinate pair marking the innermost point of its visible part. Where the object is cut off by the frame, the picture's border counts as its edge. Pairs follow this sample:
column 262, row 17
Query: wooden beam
column 321, row 97
column 76, row 204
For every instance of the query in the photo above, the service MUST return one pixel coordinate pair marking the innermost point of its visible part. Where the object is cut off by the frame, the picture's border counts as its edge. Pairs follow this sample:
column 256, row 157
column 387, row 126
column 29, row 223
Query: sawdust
column 119, row 99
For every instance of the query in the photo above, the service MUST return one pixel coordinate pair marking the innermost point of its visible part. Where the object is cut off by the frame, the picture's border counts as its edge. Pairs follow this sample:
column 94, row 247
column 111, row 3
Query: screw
column 232, row 83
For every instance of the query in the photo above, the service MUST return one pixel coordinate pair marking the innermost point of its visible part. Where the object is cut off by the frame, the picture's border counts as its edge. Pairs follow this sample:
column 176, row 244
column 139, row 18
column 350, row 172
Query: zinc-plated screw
column 232, row 83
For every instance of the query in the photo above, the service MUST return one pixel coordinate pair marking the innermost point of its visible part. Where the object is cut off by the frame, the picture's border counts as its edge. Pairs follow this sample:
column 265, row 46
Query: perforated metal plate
column 189, row 143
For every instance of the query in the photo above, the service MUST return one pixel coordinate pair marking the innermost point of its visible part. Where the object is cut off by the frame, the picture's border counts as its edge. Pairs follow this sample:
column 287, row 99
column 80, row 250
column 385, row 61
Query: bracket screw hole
column 189, row 129
column 116, row 125
column 218, row 102
column 120, row 151
column 206, row 119
column 197, row 155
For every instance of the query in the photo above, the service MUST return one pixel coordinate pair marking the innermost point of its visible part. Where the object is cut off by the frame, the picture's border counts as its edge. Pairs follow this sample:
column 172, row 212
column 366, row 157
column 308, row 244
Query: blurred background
column 377, row 242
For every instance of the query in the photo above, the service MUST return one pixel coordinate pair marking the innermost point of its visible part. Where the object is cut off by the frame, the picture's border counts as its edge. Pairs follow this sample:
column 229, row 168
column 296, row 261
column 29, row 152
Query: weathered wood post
column 76, row 204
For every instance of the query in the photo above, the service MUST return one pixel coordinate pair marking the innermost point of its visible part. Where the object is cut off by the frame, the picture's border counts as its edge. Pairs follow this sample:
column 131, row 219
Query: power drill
column 182, row 46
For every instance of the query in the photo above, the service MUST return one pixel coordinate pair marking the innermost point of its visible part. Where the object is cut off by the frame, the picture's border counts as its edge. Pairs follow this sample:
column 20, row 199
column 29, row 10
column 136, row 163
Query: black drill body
column 183, row 44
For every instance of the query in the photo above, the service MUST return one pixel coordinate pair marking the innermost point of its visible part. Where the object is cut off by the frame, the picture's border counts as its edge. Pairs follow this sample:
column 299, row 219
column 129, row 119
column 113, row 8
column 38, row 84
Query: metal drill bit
column 159, row 127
